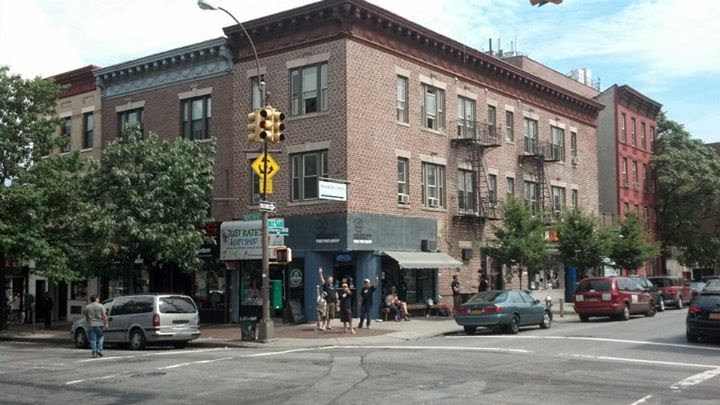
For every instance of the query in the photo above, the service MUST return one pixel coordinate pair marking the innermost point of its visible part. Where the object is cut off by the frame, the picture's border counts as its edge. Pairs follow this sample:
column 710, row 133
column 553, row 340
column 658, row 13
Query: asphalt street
column 642, row 361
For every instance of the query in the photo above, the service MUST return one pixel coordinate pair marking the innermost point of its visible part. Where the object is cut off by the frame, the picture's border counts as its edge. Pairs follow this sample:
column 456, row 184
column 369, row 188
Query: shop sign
column 242, row 240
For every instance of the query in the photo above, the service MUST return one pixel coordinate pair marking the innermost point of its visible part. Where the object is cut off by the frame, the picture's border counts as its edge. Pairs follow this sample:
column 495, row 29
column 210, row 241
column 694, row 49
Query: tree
column 27, row 122
column 153, row 198
column 631, row 246
column 520, row 239
column 582, row 242
column 688, row 190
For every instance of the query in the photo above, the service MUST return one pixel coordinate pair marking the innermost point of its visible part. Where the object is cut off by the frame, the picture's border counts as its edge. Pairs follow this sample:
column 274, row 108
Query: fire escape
column 536, row 155
column 478, row 205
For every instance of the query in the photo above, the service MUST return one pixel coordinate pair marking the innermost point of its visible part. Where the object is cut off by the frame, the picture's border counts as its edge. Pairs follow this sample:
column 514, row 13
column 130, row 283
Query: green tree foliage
column 153, row 196
column 630, row 246
column 688, row 191
column 582, row 242
column 519, row 240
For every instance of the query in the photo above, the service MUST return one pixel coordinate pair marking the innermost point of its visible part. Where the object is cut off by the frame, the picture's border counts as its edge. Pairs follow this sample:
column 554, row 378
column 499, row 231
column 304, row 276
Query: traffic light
column 254, row 126
column 278, row 126
column 265, row 124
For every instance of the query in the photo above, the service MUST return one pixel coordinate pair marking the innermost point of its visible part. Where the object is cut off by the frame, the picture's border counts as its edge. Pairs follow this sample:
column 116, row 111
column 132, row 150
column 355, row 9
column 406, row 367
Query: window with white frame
column 558, row 199
column 88, row 129
column 403, row 178
column 66, row 131
column 652, row 139
column 557, row 138
column 509, row 126
column 402, row 98
column 532, row 196
column 466, row 190
column 573, row 144
column 636, row 181
column 433, row 108
column 530, row 130
column 643, row 136
column 309, row 89
column 492, row 120
column 623, row 130
column 433, row 187
column 625, row 172
column 574, row 198
column 307, row 168
column 130, row 117
column 633, row 134
column 492, row 188
column 196, row 116
column 466, row 118
column 510, row 181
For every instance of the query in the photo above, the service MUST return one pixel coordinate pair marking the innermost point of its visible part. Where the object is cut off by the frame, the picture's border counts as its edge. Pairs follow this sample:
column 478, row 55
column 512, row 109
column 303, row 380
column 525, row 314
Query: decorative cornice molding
column 76, row 81
column 633, row 99
column 193, row 62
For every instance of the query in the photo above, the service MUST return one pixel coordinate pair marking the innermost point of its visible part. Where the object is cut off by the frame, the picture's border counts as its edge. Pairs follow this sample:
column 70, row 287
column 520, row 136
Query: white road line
column 164, row 353
column 643, row 342
column 308, row 349
column 194, row 362
column 641, row 400
column 641, row 361
column 450, row 348
column 91, row 379
column 695, row 379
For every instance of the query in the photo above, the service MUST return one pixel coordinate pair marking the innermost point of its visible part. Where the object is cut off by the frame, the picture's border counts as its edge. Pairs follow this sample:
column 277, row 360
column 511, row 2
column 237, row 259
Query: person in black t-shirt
column 366, row 295
column 457, row 298
column 331, row 297
column 346, row 307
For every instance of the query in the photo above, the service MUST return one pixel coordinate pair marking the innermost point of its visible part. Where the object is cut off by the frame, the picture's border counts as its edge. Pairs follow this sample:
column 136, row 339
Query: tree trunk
column 3, row 296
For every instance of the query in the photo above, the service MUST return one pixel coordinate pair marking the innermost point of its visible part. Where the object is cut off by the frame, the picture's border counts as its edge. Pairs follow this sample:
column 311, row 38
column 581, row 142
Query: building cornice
column 76, row 81
column 636, row 101
column 371, row 25
column 197, row 61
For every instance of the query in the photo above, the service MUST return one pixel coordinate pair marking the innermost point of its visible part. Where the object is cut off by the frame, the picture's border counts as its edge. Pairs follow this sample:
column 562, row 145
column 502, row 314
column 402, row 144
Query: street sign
column 279, row 231
column 267, row 206
column 262, row 170
column 276, row 223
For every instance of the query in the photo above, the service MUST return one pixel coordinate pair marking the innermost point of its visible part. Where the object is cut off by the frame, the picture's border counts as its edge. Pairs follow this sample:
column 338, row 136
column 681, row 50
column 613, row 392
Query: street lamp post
column 266, row 329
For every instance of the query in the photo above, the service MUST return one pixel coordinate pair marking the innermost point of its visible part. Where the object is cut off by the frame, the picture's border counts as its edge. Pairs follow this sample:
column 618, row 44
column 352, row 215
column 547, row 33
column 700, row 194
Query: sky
column 669, row 50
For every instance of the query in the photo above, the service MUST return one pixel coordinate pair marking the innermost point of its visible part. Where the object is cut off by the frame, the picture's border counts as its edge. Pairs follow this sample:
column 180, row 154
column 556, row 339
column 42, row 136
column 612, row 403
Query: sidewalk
column 286, row 335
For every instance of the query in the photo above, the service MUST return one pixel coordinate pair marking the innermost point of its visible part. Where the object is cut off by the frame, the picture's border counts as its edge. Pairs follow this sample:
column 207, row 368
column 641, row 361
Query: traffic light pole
column 266, row 328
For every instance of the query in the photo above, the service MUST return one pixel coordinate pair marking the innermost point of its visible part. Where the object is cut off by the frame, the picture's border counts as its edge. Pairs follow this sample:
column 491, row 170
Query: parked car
column 618, row 297
column 138, row 320
column 703, row 317
column 675, row 290
column 655, row 293
column 507, row 310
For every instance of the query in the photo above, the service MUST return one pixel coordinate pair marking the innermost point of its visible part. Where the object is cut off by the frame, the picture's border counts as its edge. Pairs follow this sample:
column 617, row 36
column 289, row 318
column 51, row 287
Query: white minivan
column 138, row 320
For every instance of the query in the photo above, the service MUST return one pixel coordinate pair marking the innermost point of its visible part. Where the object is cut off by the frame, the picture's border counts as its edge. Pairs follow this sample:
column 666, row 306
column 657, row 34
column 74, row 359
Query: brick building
column 626, row 141
column 428, row 133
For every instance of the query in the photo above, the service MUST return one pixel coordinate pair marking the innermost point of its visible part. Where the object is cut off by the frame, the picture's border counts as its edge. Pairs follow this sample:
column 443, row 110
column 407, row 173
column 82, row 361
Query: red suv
column 675, row 290
column 618, row 297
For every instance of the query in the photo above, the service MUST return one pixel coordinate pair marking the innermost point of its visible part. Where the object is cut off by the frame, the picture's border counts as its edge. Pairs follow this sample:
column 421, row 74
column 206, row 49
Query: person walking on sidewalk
column 366, row 297
column 457, row 298
column 331, row 296
column 346, row 308
column 97, row 320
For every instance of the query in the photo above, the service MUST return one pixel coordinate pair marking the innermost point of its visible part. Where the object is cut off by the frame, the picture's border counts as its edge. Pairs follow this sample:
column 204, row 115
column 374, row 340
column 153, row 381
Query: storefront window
column 78, row 290
column 251, row 282
column 210, row 293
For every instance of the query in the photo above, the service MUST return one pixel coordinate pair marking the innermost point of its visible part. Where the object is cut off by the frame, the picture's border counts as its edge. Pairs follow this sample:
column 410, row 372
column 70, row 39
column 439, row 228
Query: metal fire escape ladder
column 535, row 164
column 486, row 207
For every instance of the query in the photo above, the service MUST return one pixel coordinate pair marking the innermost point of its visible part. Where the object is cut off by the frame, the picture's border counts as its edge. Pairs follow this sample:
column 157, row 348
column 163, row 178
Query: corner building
column 428, row 133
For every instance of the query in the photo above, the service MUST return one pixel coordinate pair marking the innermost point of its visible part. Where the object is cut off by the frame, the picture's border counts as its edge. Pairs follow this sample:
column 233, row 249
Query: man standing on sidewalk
column 457, row 298
column 331, row 297
column 97, row 320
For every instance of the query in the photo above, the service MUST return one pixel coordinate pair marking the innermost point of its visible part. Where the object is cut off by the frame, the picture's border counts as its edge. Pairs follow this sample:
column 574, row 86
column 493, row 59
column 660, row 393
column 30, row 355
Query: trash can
column 248, row 328
column 276, row 294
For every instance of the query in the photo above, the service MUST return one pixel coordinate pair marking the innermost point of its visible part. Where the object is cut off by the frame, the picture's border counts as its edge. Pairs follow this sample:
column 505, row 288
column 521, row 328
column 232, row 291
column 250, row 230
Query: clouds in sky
column 648, row 44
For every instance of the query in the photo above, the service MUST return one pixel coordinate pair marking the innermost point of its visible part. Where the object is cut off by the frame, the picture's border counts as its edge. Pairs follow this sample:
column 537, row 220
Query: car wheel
column 661, row 306
column 584, row 318
column 181, row 344
column 545, row 324
column 470, row 330
column 651, row 312
column 137, row 340
column 679, row 302
column 514, row 326
column 691, row 337
column 80, row 339
column 625, row 313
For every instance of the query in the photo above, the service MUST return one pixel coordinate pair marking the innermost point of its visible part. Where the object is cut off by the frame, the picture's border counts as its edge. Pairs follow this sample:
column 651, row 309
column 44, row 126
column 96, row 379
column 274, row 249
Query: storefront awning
column 423, row 260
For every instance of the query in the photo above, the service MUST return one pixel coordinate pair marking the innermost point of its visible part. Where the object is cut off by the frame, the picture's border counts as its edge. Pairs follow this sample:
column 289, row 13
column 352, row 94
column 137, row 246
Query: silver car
column 137, row 320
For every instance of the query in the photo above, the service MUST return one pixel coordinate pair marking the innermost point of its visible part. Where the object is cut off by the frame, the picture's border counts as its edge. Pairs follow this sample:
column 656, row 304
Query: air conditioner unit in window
column 403, row 198
column 636, row 186
column 575, row 160
column 433, row 202
column 428, row 245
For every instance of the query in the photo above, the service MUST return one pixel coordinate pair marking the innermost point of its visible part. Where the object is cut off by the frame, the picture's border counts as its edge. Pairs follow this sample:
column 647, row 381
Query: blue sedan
column 507, row 310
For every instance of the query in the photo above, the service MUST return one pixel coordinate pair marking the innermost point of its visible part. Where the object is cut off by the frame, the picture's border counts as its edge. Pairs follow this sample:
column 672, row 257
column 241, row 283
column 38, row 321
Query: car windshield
column 594, row 285
column 177, row 305
column 663, row 282
column 488, row 296
column 697, row 285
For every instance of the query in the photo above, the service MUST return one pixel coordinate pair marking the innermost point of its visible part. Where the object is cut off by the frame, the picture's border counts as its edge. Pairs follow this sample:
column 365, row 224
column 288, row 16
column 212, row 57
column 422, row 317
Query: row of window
column 646, row 173
column 308, row 168
column 633, row 134
column 195, row 117
column 88, row 128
